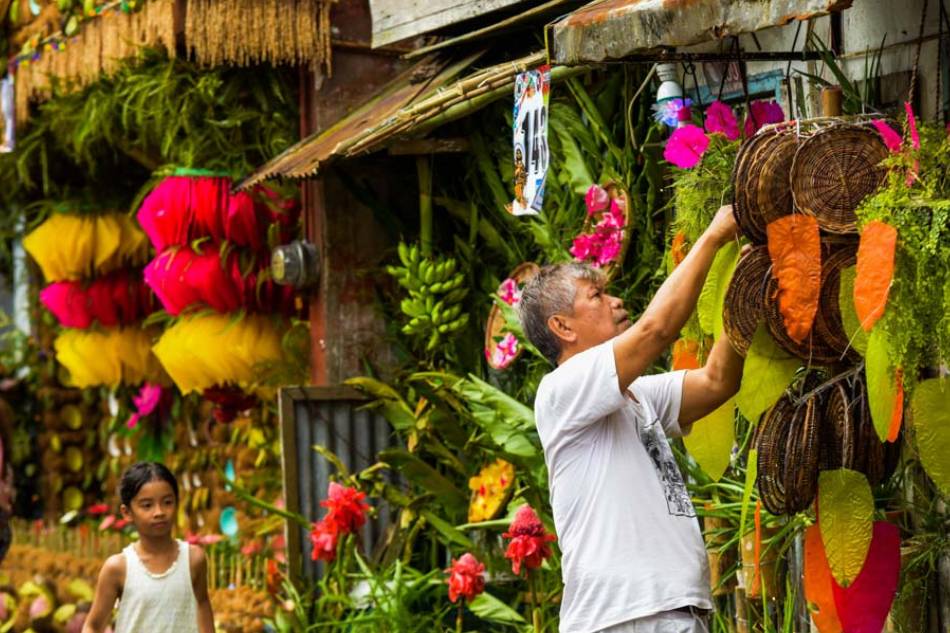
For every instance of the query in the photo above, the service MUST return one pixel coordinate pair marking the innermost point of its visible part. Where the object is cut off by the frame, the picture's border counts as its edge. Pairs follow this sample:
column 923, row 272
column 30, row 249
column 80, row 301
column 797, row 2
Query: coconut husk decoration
column 99, row 47
column 502, row 347
column 744, row 305
column 246, row 32
column 833, row 171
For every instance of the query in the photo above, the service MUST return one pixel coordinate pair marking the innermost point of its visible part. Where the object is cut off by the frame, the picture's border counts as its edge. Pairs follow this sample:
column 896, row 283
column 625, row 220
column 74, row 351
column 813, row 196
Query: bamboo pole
column 424, row 171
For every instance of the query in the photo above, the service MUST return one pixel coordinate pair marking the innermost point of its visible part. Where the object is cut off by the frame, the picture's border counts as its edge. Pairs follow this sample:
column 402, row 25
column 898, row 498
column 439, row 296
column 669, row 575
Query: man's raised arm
column 638, row 347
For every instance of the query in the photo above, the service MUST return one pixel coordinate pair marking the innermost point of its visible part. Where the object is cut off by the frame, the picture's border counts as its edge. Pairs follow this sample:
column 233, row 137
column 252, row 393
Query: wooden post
column 424, row 169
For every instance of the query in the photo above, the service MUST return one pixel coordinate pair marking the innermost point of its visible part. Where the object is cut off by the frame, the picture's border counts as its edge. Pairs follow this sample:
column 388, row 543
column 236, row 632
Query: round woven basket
column 495, row 326
column 869, row 450
column 770, row 442
column 828, row 324
column 745, row 170
column 837, row 430
column 772, row 191
column 833, row 171
column 802, row 456
column 744, row 304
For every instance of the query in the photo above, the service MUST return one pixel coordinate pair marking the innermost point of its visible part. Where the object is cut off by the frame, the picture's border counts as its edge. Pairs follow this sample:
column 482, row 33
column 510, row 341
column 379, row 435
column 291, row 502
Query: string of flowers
column 602, row 246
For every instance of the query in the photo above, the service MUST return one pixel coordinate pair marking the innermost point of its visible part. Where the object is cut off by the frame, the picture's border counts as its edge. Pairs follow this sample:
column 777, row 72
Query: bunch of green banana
column 436, row 291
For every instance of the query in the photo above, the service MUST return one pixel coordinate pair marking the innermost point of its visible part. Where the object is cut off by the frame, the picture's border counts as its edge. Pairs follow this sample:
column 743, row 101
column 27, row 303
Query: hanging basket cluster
column 211, row 270
column 96, row 293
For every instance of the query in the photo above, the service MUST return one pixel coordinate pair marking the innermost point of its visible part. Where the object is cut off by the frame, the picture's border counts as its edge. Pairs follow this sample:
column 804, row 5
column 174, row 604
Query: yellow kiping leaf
column 711, row 297
column 931, row 418
column 845, row 516
column 766, row 374
column 711, row 439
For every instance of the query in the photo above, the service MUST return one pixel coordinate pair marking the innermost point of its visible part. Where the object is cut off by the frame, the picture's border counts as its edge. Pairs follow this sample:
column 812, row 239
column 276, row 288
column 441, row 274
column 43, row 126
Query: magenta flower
column 720, row 119
column 762, row 113
column 890, row 137
column 582, row 247
column 686, row 146
column 145, row 403
column 506, row 351
column 912, row 124
column 509, row 292
column 596, row 199
column 609, row 249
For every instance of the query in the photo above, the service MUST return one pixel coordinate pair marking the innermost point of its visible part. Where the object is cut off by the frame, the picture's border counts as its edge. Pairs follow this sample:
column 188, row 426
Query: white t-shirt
column 626, row 526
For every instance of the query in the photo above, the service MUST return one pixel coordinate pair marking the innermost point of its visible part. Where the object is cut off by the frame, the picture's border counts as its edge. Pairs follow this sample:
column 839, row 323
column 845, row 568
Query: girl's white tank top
column 157, row 603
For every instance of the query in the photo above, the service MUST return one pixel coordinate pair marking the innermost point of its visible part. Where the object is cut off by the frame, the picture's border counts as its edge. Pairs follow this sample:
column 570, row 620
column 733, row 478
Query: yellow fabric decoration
column 73, row 247
column 212, row 349
column 490, row 489
column 107, row 357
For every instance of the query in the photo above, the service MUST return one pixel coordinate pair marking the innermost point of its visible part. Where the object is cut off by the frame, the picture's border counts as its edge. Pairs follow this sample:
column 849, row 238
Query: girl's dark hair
column 140, row 474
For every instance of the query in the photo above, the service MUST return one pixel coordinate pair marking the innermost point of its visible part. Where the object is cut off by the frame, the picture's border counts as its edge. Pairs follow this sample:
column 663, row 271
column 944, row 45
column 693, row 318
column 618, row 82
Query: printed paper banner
column 6, row 108
column 530, row 127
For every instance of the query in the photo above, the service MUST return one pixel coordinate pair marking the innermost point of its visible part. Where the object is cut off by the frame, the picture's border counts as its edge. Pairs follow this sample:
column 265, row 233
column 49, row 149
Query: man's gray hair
column 552, row 292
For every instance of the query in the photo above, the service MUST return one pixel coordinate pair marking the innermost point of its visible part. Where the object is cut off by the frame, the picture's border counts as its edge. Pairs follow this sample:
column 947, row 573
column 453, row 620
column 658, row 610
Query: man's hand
column 723, row 228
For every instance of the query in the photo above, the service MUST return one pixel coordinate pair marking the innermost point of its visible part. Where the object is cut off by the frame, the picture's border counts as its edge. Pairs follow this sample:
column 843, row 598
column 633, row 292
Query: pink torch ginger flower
column 323, row 538
column 686, row 146
column 466, row 578
column 529, row 540
column 347, row 510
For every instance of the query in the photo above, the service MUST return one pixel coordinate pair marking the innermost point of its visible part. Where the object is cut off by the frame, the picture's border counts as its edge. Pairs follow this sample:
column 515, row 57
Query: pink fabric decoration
column 145, row 403
column 212, row 283
column 165, row 275
column 505, row 351
column 720, row 119
column 68, row 303
column 686, row 146
column 596, row 199
column 863, row 606
column 890, row 137
column 912, row 125
column 165, row 214
column 208, row 199
column 509, row 292
column 762, row 113
column 242, row 224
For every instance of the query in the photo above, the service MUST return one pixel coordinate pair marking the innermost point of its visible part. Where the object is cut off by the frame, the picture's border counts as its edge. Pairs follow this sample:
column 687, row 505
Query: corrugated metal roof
column 613, row 29
column 399, row 109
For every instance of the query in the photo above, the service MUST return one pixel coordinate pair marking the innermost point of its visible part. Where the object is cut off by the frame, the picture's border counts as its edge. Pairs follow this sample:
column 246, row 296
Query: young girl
column 161, row 583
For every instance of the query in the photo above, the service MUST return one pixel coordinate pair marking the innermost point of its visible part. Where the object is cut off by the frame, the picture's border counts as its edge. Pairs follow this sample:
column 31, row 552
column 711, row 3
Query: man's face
column 597, row 317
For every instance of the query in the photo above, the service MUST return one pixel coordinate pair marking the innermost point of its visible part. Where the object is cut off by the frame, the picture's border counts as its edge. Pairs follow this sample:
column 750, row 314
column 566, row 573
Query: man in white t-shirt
column 633, row 555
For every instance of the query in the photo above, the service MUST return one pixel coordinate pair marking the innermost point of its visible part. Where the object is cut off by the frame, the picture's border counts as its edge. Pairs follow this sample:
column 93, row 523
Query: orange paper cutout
column 875, row 270
column 818, row 584
column 678, row 249
column 757, row 551
column 686, row 354
column 795, row 249
column 897, row 413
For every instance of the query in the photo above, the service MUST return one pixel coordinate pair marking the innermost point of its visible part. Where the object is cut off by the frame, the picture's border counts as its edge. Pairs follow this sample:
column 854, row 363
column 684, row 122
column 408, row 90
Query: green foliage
column 699, row 192
column 916, row 318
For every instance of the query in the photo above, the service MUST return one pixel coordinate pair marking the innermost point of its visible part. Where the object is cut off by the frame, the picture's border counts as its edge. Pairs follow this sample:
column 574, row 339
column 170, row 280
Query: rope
column 788, row 75
column 920, row 45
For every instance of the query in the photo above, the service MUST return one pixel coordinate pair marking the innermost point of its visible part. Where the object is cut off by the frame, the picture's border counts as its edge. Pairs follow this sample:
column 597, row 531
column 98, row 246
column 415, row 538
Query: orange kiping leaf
column 897, row 413
column 678, row 249
column 686, row 354
column 757, row 552
column 795, row 249
column 875, row 270
column 819, row 592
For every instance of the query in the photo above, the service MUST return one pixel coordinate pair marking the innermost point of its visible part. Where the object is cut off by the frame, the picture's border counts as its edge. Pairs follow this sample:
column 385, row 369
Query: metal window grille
column 330, row 417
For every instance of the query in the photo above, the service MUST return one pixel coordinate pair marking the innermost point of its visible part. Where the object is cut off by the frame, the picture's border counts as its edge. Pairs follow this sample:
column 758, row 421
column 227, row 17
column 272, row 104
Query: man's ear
column 562, row 329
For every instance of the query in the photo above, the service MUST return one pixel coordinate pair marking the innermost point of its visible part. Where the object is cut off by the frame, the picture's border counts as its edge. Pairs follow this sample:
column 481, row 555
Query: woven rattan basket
column 802, row 456
column 744, row 303
column 828, row 324
column 837, row 430
column 770, row 442
column 744, row 171
column 833, row 170
column 772, row 191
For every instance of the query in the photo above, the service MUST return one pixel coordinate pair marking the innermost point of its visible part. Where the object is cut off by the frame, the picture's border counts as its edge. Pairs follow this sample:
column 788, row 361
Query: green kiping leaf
column 849, row 316
column 845, row 517
column 766, row 374
column 709, row 305
column 931, row 416
column 882, row 386
column 711, row 439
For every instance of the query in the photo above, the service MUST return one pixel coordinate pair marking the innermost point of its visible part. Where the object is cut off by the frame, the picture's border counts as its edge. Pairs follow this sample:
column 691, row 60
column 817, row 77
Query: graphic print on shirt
column 678, row 502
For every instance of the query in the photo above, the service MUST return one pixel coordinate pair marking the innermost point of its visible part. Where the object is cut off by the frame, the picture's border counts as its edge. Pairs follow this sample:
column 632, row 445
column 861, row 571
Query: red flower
column 323, row 537
column 347, row 510
column 98, row 508
column 529, row 540
column 466, row 578
column 273, row 577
